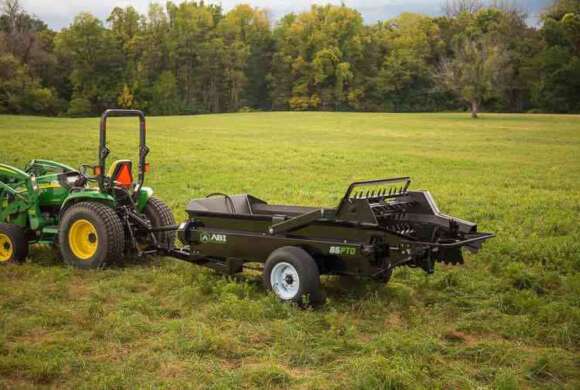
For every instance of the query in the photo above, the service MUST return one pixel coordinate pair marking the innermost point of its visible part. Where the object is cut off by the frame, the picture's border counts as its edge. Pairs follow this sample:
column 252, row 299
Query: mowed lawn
column 509, row 318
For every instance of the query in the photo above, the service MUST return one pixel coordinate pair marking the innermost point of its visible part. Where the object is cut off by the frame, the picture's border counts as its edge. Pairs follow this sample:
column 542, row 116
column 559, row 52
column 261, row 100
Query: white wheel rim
column 284, row 280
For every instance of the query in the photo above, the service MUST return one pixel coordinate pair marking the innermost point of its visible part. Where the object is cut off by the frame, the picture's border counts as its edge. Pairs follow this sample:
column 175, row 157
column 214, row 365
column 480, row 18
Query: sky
column 60, row 13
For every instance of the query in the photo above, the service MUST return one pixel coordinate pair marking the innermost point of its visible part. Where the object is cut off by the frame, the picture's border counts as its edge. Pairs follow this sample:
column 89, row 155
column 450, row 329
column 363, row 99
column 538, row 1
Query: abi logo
column 214, row 238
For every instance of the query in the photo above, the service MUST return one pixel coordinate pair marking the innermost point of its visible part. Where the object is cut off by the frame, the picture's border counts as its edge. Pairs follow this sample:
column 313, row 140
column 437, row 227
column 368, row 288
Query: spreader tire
column 159, row 214
column 91, row 235
column 13, row 244
column 292, row 274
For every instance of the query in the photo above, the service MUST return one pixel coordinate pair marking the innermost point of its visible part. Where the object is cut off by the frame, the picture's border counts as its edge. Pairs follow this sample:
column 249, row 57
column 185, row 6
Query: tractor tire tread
column 19, row 241
column 115, row 235
column 158, row 210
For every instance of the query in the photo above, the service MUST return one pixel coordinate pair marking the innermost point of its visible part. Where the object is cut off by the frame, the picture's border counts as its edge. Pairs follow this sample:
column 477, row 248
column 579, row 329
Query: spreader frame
column 371, row 231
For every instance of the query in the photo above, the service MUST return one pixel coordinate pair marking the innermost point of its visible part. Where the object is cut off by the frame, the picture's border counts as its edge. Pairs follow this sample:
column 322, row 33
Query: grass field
column 508, row 319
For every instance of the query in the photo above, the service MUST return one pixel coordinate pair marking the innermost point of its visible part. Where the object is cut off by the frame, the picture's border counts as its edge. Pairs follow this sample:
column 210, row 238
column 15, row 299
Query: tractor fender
column 86, row 196
column 144, row 195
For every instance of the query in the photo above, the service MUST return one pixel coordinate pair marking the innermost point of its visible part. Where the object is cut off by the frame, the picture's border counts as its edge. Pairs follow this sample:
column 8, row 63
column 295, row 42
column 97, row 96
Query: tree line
column 193, row 57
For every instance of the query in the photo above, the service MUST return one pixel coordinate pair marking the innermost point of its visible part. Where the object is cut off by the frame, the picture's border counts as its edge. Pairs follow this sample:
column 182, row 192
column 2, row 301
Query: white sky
column 60, row 13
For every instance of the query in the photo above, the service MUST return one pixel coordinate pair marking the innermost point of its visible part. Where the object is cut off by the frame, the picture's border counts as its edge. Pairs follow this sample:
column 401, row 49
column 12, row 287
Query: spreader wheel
column 159, row 214
column 91, row 235
column 292, row 274
column 13, row 244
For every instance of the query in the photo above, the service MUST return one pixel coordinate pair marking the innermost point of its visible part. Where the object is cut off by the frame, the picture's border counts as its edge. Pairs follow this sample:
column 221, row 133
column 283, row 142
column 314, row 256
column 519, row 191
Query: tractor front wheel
column 13, row 244
column 91, row 235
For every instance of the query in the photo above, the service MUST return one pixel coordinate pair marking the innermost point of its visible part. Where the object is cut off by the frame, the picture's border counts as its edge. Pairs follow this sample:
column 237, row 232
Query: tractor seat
column 121, row 172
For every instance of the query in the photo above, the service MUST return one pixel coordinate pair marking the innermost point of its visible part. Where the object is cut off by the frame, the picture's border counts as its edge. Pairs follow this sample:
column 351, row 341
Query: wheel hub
column 285, row 281
column 289, row 279
column 6, row 249
column 83, row 239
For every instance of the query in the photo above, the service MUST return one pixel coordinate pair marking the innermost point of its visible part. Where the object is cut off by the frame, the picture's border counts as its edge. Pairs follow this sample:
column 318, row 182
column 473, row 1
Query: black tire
column 110, row 237
column 14, row 244
column 159, row 214
column 308, row 290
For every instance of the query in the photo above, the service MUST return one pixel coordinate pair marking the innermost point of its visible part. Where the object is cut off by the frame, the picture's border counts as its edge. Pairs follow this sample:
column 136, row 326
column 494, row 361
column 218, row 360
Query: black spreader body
column 378, row 225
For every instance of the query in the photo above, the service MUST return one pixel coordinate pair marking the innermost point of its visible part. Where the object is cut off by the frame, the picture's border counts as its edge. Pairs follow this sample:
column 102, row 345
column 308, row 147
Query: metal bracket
column 297, row 222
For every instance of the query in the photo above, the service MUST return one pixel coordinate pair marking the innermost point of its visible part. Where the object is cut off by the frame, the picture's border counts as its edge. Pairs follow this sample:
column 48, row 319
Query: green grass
column 508, row 319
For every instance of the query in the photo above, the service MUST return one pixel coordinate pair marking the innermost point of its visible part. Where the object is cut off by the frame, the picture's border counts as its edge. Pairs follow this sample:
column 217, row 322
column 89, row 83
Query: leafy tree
column 491, row 47
column 191, row 57
column 320, row 49
column 96, row 61
column 281, row 77
column 19, row 92
column 125, row 26
column 193, row 54
column 248, row 44
column 520, row 44
column 19, row 31
column 164, row 99
column 126, row 98
column 79, row 106
column 413, row 47
column 475, row 72
column 454, row 8
column 558, row 65
column 25, row 58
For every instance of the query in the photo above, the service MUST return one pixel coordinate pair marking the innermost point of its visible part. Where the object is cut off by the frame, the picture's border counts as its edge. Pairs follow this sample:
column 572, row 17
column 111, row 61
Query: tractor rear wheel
column 159, row 214
column 13, row 244
column 91, row 235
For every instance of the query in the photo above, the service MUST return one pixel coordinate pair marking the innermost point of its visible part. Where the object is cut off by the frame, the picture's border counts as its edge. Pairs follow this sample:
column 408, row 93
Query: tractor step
column 48, row 230
column 48, row 235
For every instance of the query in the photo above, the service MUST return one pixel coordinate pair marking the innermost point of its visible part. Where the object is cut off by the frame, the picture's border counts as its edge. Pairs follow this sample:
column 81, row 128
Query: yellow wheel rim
column 6, row 248
column 83, row 239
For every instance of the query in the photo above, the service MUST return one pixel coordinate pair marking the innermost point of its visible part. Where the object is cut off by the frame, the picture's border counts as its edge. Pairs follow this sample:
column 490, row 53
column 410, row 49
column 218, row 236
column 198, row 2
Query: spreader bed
column 377, row 226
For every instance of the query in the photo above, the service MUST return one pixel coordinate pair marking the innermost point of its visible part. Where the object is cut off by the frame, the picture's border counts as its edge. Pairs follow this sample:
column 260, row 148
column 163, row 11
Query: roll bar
column 104, row 150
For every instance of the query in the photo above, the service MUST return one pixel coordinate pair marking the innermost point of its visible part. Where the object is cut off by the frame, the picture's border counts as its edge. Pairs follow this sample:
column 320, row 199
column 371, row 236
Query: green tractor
column 94, row 219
